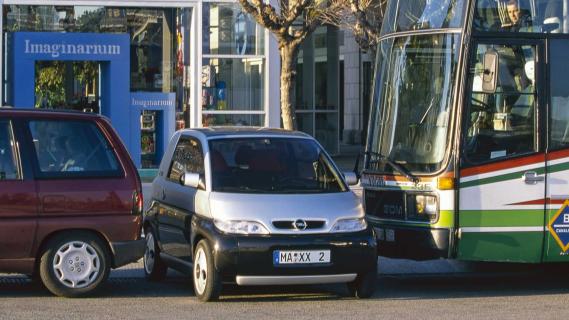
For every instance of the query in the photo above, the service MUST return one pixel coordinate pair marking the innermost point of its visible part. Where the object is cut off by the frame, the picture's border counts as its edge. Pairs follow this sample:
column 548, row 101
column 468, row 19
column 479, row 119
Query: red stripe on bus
column 509, row 164
column 538, row 202
column 558, row 155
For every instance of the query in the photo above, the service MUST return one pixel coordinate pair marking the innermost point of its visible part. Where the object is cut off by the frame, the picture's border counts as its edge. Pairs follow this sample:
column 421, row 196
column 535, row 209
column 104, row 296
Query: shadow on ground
column 490, row 281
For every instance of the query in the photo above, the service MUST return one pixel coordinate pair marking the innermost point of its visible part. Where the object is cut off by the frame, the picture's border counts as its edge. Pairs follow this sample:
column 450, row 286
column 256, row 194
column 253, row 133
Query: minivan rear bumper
column 126, row 252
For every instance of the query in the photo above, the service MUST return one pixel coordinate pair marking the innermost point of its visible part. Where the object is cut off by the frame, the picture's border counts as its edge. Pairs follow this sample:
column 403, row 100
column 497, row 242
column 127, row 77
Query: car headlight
column 240, row 227
column 349, row 225
column 426, row 207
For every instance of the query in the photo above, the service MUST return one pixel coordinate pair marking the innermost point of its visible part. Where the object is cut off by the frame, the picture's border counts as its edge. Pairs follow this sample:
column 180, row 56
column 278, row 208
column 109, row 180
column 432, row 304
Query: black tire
column 156, row 269
column 209, row 289
column 66, row 254
column 364, row 285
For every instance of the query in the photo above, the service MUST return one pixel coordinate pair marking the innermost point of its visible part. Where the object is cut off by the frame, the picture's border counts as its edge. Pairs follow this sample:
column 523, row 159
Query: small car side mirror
column 192, row 180
column 351, row 178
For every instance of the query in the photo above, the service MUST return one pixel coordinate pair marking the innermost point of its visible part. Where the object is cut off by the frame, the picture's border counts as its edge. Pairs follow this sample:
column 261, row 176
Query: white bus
column 468, row 148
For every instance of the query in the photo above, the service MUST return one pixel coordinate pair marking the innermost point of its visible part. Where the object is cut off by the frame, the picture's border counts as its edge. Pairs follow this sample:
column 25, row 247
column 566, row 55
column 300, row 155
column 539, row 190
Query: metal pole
column 565, row 16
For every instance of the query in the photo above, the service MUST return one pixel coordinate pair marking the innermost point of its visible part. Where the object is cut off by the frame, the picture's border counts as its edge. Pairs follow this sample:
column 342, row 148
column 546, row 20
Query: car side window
column 76, row 147
column 8, row 156
column 188, row 156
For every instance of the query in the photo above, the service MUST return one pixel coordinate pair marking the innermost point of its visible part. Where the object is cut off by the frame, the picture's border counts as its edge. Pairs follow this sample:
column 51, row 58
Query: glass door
column 502, row 174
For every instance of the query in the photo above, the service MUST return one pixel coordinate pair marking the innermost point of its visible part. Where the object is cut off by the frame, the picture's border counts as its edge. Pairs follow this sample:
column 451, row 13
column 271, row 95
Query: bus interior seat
column 552, row 16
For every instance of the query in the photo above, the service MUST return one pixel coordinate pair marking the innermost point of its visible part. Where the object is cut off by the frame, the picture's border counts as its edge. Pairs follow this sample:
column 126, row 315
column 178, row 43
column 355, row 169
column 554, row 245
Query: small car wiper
column 394, row 165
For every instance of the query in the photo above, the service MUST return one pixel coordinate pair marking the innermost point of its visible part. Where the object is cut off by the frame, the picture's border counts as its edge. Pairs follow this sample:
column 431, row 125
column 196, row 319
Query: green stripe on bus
column 500, row 178
column 501, row 218
column 508, row 247
column 515, row 175
column 558, row 167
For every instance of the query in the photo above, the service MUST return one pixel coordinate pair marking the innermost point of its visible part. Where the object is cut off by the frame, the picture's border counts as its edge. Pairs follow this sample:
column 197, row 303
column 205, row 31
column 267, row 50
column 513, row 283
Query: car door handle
column 531, row 177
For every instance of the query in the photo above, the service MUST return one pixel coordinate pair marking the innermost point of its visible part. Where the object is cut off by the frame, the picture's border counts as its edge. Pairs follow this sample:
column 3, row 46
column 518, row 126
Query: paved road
column 528, row 293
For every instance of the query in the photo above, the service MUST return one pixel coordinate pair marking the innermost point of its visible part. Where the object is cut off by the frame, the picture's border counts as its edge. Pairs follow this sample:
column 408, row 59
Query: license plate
column 301, row 257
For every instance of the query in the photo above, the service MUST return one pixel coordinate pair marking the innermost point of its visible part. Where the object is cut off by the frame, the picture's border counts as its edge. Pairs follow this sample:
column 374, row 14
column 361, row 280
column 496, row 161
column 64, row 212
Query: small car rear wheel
column 74, row 264
column 364, row 285
column 207, row 283
column 154, row 268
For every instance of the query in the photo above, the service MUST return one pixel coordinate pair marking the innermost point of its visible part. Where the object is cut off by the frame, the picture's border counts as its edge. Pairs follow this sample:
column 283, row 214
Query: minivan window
column 188, row 157
column 65, row 148
column 271, row 165
column 8, row 161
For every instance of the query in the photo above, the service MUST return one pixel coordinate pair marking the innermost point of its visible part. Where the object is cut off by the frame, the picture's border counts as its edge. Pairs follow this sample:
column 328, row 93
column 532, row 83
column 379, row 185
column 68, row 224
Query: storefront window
column 213, row 119
column 318, row 86
column 228, row 30
column 232, row 84
column 233, row 67
column 159, row 55
column 157, row 64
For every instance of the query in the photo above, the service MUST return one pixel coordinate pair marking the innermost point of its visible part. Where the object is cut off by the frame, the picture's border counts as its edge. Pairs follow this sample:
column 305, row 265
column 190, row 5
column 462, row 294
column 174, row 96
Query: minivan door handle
column 531, row 177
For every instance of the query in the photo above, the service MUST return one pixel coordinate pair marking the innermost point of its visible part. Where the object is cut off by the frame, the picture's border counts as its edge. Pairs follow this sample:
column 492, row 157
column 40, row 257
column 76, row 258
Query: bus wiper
column 394, row 165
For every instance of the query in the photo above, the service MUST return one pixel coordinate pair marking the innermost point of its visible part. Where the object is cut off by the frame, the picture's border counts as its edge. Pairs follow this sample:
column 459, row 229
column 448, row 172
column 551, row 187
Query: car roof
column 48, row 113
column 228, row 131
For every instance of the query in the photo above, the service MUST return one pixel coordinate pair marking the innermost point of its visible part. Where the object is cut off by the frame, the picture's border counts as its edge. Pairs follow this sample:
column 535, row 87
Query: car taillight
column 137, row 203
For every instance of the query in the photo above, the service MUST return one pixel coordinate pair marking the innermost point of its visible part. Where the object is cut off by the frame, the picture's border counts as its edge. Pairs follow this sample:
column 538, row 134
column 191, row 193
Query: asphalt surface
column 525, row 293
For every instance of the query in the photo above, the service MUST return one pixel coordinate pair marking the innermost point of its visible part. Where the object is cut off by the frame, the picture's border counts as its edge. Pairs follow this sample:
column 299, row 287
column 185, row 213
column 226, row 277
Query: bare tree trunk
column 289, row 53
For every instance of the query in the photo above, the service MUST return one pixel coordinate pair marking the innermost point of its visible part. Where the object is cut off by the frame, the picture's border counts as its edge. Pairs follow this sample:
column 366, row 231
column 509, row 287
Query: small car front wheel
column 154, row 268
column 364, row 285
column 207, row 283
column 74, row 264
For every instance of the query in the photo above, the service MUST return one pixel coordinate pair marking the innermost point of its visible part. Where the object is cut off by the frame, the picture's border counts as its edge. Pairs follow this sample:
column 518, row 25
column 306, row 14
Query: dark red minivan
column 70, row 199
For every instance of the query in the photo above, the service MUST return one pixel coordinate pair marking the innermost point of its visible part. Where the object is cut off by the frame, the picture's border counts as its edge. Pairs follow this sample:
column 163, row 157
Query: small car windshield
column 272, row 165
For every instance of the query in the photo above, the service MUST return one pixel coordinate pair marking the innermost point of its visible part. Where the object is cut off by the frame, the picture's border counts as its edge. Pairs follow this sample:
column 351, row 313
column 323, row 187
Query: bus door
column 502, row 170
column 557, row 213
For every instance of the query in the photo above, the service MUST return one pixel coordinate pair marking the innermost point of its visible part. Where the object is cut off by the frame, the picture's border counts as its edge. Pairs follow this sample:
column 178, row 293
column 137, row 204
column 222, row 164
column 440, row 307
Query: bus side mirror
column 490, row 75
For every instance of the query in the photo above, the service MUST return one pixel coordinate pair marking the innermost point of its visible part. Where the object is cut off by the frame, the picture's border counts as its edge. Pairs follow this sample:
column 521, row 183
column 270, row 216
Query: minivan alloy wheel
column 200, row 271
column 76, row 264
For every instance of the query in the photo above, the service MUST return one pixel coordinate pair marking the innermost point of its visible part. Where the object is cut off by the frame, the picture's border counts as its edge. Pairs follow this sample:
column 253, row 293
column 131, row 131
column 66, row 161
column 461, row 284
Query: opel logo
column 299, row 224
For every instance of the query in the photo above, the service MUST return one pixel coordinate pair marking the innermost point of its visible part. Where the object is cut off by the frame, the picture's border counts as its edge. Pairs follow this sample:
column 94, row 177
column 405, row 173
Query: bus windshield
column 408, row 15
column 410, row 114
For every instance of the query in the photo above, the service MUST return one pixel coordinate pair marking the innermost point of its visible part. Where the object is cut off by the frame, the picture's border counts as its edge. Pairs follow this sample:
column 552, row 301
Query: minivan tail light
column 137, row 203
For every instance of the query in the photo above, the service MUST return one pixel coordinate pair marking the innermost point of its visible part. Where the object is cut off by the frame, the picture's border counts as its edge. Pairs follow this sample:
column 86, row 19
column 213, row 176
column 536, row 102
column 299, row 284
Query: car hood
column 265, row 208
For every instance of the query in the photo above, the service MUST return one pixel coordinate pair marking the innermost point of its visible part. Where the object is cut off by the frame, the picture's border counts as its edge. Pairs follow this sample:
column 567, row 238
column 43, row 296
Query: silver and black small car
column 256, row 206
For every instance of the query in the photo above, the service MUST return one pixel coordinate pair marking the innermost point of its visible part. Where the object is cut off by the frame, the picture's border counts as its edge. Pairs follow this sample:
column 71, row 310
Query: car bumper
column 126, row 252
column 248, row 260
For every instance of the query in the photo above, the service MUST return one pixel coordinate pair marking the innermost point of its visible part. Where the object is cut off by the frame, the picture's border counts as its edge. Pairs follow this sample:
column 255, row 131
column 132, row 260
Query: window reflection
column 232, row 84
column 228, row 30
column 405, row 15
column 538, row 16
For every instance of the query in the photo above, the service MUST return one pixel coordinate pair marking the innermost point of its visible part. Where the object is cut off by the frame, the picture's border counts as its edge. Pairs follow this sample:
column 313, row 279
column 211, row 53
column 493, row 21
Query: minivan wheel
column 207, row 283
column 74, row 264
column 154, row 268
column 364, row 285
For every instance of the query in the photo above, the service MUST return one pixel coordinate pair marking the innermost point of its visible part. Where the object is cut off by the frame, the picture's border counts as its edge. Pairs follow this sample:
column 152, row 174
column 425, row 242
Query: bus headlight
column 426, row 207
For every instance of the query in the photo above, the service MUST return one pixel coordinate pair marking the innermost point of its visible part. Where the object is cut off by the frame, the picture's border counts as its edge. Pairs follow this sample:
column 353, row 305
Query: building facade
column 153, row 67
